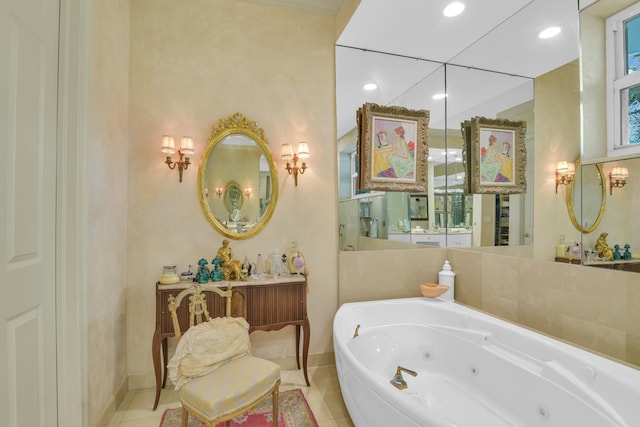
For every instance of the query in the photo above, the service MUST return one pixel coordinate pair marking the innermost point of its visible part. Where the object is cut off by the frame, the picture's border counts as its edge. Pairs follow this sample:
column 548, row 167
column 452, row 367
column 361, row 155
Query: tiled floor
column 324, row 398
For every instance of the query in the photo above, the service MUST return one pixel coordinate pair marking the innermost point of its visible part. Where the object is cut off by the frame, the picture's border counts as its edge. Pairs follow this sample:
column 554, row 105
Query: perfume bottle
column 169, row 275
column 259, row 265
column 295, row 259
column 275, row 263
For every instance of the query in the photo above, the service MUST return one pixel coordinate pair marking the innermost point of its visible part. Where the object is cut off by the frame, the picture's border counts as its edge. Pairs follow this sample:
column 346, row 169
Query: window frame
column 618, row 84
column 355, row 193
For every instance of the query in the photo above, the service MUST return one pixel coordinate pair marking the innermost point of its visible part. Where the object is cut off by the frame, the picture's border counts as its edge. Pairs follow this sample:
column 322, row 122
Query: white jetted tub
column 473, row 370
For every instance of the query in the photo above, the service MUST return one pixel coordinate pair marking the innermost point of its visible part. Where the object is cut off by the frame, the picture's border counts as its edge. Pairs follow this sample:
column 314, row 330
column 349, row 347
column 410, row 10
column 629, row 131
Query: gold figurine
column 604, row 251
column 232, row 268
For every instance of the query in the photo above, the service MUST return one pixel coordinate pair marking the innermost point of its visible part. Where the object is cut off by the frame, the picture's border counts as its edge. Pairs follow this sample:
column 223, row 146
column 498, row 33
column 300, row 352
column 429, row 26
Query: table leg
column 305, row 348
column 155, row 354
column 165, row 360
column 298, row 345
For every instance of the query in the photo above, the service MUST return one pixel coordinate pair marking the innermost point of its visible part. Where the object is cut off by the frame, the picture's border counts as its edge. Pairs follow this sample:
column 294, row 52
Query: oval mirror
column 237, row 179
column 586, row 197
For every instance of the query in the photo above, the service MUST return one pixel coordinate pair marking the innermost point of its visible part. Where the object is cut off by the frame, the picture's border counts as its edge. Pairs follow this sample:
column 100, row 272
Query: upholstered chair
column 216, row 377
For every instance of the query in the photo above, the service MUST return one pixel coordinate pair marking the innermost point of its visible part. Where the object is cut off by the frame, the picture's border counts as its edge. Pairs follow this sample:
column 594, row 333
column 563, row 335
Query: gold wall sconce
column 169, row 147
column 564, row 173
column 218, row 191
column 288, row 154
column 247, row 192
column 617, row 178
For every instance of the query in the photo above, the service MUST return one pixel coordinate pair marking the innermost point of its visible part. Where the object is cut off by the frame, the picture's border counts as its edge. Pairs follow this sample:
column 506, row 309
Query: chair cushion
column 206, row 346
column 234, row 385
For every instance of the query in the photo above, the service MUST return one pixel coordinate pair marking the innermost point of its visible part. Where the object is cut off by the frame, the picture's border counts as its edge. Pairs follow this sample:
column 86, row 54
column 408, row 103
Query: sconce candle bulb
column 288, row 154
column 617, row 178
column 564, row 173
column 168, row 146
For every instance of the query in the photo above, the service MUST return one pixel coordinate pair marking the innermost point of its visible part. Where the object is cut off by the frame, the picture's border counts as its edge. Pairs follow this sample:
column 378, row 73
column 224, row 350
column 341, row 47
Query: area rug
column 293, row 411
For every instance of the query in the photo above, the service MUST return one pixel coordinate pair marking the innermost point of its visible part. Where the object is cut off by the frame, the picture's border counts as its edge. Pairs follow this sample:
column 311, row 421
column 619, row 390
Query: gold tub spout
column 355, row 334
column 397, row 381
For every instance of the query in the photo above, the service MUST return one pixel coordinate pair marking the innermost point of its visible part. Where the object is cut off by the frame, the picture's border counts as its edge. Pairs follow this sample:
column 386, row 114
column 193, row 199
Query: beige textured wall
column 107, row 154
column 557, row 137
column 374, row 274
column 193, row 63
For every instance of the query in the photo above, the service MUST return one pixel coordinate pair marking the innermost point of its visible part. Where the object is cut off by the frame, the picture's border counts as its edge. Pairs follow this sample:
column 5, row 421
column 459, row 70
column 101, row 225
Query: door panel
column 28, row 121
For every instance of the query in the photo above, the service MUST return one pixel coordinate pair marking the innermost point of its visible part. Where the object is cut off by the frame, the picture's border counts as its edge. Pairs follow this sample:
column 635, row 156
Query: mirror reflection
column 451, row 217
column 237, row 179
column 619, row 220
column 586, row 197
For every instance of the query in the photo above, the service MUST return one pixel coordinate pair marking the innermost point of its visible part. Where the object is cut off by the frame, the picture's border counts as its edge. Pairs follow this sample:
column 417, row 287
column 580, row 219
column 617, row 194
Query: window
column 623, row 82
column 355, row 193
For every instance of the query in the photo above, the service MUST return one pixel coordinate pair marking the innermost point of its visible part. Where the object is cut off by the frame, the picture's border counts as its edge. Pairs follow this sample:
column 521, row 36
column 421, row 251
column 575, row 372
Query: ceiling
column 401, row 45
column 494, row 35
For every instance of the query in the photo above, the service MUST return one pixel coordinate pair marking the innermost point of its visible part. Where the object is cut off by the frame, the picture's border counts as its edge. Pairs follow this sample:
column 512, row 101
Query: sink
column 457, row 230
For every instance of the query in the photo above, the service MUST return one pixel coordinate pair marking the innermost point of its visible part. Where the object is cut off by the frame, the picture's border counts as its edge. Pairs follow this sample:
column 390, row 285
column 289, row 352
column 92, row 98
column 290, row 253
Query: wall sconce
column 169, row 147
column 288, row 154
column 218, row 191
column 617, row 178
column 564, row 173
column 247, row 192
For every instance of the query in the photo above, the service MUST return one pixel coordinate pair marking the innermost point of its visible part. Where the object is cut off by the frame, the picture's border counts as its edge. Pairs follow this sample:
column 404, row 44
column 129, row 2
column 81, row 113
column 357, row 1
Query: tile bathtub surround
column 594, row 308
column 590, row 307
column 324, row 398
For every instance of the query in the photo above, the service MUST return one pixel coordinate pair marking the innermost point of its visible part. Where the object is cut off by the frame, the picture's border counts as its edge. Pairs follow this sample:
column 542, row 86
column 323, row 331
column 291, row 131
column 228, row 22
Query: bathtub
column 473, row 370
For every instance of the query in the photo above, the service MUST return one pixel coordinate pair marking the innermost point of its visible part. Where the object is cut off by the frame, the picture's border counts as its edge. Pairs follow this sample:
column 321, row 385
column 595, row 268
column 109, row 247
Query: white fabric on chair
column 206, row 346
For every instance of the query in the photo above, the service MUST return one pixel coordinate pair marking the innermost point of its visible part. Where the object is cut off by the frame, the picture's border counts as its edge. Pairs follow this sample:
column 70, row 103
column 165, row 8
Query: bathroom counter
column 433, row 238
column 622, row 264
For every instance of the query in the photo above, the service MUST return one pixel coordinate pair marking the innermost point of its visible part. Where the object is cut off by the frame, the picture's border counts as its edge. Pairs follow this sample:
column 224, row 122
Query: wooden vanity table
column 267, row 305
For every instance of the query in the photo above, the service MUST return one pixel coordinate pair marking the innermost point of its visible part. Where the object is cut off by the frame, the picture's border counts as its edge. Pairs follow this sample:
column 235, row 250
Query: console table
column 267, row 305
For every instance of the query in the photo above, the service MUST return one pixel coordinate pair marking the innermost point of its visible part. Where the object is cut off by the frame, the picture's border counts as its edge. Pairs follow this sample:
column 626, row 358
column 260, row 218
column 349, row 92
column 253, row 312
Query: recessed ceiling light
column 453, row 9
column 439, row 96
column 370, row 86
column 549, row 32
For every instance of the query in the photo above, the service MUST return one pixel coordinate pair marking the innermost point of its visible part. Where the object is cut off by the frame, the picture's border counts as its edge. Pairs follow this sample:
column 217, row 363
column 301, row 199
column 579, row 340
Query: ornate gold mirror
column 237, row 179
column 587, row 197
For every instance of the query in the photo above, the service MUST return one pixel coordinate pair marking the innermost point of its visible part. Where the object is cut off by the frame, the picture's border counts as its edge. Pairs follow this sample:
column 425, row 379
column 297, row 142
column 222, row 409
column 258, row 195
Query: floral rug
column 293, row 411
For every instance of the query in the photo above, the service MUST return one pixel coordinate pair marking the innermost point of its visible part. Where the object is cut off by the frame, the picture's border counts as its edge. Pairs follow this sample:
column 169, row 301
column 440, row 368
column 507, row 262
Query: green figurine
column 203, row 271
column 627, row 252
column 216, row 274
column 616, row 252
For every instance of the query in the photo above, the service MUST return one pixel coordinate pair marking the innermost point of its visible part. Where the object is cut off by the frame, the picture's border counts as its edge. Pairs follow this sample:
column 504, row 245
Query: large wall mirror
column 457, row 69
column 237, row 179
column 620, row 219
column 451, row 217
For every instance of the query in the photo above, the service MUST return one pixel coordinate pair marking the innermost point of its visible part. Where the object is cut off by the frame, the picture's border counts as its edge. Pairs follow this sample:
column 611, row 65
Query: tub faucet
column 397, row 381
column 355, row 334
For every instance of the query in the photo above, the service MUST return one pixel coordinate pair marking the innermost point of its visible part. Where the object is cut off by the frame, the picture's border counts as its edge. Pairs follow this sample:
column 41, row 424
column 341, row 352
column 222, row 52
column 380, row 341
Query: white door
column 28, row 110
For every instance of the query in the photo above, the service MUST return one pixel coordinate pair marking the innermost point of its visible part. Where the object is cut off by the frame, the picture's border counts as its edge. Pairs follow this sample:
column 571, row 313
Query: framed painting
column 495, row 156
column 392, row 148
column 418, row 207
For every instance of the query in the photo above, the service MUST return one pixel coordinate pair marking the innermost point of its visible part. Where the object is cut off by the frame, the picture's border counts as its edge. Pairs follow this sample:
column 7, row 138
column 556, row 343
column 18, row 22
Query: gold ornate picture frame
column 495, row 156
column 392, row 148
